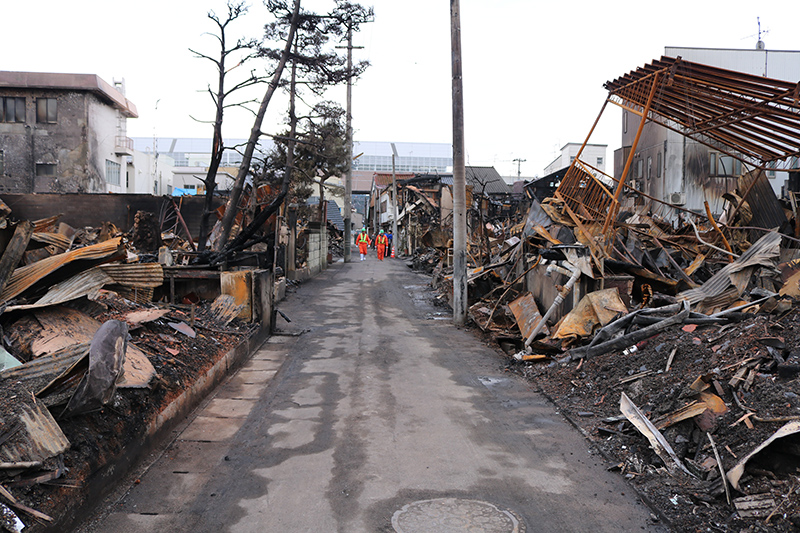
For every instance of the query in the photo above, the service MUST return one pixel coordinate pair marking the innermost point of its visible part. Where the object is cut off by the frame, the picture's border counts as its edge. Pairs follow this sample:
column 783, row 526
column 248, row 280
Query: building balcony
column 123, row 145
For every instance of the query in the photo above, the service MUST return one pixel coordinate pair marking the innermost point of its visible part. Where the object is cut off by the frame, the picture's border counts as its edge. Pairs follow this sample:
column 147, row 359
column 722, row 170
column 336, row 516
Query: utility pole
column 348, row 178
column 459, row 175
column 519, row 164
column 394, row 199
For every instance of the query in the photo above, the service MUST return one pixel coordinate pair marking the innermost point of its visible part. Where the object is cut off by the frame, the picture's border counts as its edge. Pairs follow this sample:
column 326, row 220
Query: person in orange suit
column 382, row 241
column 363, row 242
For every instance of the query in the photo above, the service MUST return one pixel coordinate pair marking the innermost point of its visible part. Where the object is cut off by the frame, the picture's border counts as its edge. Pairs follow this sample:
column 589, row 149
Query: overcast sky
column 533, row 70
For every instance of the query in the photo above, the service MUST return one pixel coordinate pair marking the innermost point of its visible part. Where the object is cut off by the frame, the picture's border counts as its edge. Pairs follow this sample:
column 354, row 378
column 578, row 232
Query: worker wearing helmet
column 363, row 242
column 382, row 242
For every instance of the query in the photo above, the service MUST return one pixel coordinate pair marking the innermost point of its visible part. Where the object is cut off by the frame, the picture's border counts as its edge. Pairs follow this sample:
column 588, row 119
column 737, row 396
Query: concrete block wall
column 317, row 250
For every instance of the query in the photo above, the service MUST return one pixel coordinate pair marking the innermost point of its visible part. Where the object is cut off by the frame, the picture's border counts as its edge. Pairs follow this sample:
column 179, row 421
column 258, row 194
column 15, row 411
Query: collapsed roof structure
column 753, row 119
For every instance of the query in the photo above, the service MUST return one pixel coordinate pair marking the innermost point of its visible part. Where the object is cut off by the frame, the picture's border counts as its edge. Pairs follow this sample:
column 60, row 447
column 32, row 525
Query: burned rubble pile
column 679, row 359
column 94, row 347
column 665, row 324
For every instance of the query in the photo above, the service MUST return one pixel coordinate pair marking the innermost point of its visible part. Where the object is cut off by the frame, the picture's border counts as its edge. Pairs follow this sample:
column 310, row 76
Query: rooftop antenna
column 760, row 44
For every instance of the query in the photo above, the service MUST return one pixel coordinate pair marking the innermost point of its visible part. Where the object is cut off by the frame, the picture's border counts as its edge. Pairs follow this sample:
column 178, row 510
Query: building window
column 155, row 186
column 46, row 170
column 112, row 172
column 771, row 173
column 723, row 165
column 649, row 167
column 46, row 110
column 639, row 167
column 658, row 165
column 599, row 161
column 12, row 109
column 624, row 121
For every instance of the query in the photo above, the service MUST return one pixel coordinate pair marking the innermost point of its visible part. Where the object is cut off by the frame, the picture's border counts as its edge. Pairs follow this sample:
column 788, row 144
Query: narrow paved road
column 381, row 410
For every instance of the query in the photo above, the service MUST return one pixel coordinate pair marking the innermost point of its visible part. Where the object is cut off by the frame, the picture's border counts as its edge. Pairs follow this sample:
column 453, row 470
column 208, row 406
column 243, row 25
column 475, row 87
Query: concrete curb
column 101, row 482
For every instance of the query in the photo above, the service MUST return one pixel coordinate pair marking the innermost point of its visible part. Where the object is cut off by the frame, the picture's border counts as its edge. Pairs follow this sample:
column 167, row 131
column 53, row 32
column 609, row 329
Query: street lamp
column 395, row 236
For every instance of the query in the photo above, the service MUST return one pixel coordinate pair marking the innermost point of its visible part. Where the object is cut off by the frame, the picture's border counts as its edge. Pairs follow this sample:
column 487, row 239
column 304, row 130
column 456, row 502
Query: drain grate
column 453, row 515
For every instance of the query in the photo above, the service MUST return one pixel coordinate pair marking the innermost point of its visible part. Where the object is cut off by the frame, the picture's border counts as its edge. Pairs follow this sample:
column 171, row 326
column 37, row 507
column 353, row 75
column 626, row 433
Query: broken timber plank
column 13, row 252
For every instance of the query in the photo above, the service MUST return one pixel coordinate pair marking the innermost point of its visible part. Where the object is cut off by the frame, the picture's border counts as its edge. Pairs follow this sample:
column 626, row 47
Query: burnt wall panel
column 80, row 210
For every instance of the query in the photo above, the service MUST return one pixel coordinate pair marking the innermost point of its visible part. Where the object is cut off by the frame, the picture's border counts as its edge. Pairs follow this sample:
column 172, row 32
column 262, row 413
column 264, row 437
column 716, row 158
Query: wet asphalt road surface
column 379, row 404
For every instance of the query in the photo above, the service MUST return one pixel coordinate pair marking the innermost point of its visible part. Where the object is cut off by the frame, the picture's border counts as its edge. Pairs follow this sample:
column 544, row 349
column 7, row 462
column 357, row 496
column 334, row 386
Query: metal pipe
column 574, row 274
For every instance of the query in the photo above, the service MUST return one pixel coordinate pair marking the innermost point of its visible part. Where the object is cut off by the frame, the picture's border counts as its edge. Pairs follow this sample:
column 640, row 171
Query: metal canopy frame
column 751, row 118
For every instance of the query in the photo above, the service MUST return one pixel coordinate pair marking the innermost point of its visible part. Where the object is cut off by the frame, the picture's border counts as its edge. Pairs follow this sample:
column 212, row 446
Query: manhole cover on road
column 446, row 515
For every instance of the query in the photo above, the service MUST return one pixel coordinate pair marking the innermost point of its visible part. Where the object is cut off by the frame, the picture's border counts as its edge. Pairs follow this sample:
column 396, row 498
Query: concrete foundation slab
column 208, row 429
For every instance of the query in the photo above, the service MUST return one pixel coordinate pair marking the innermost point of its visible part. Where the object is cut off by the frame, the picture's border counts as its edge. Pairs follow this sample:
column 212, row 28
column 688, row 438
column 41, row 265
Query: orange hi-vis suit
column 381, row 241
column 363, row 242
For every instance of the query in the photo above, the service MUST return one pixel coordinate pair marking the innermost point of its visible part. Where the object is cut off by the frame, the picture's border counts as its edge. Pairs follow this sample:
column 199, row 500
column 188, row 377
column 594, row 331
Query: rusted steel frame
column 728, row 147
column 777, row 124
column 612, row 210
column 754, row 109
column 779, row 143
column 595, row 200
column 591, row 130
column 717, row 228
column 724, row 137
column 773, row 89
column 733, row 78
column 784, row 98
column 183, row 222
column 593, row 250
column 593, row 196
column 742, row 145
column 751, row 112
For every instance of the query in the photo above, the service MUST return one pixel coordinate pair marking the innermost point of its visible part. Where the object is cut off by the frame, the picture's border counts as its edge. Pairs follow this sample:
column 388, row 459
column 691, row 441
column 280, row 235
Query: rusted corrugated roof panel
column 46, row 225
column 56, row 239
column 24, row 277
column 752, row 115
column 77, row 286
column 140, row 275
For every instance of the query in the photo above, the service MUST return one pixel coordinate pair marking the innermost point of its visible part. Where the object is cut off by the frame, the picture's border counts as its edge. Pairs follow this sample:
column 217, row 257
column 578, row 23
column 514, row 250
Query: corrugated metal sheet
column 767, row 210
column 34, row 434
column 83, row 284
column 56, row 239
column 47, row 366
column 764, row 252
column 139, row 275
column 24, row 277
column 46, row 224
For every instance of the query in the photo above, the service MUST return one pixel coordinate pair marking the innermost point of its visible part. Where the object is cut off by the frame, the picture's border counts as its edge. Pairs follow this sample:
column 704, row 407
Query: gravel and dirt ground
column 755, row 359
